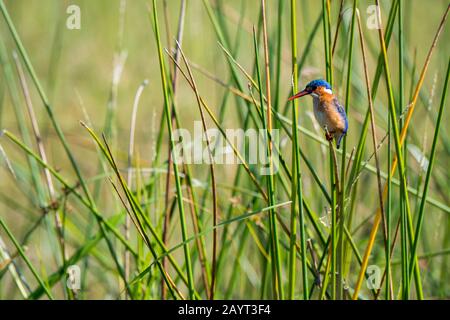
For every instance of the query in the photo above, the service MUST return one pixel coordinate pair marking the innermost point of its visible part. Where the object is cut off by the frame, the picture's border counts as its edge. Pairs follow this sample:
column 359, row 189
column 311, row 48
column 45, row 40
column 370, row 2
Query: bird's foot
column 328, row 136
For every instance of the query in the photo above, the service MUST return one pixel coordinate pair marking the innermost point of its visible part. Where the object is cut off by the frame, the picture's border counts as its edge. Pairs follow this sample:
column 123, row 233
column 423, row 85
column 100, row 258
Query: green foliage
column 113, row 200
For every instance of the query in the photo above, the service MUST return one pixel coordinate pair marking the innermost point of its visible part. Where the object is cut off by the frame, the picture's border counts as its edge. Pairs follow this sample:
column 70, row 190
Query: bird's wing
column 339, row 107
column 341, row 111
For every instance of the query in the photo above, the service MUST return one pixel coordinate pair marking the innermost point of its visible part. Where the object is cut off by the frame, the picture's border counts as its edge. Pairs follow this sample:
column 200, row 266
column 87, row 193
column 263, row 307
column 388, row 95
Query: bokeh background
column 77, row 67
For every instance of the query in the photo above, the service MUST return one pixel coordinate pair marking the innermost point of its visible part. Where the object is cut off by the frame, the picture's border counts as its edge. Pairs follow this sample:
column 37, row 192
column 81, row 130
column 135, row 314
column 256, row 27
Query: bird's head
column 315, row 88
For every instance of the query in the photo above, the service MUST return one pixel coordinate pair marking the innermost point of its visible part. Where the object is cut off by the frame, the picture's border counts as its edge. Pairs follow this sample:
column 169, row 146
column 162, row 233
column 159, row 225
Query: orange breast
column 335, row 121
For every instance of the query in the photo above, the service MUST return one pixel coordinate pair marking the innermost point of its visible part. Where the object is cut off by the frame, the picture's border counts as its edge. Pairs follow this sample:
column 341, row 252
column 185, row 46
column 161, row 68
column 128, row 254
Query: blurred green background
column 76, row 68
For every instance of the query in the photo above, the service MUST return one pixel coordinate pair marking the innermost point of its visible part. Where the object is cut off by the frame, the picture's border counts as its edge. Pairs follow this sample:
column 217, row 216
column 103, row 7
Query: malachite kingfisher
column 327, row 110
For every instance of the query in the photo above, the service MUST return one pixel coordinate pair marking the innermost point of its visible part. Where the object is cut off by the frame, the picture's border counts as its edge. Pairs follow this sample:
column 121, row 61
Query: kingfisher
column 329, row 113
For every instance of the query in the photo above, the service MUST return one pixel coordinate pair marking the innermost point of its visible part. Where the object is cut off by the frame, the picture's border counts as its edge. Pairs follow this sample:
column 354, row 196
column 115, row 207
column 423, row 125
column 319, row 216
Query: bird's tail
column 338, row 141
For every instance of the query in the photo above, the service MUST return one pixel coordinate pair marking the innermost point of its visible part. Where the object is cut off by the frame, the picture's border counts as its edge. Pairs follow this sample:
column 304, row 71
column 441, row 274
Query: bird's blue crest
column 319, row 83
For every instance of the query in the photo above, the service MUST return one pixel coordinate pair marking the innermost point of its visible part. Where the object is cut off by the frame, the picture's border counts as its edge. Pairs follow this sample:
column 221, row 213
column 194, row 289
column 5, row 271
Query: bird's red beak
column 298, row 95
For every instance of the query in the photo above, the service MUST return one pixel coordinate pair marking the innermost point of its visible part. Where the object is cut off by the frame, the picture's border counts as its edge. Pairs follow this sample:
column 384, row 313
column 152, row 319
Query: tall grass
column 113, row 198
column 296, row 191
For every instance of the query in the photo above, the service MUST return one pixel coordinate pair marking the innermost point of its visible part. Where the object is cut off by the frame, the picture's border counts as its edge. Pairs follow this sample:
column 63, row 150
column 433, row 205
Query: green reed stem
column 296, row 181
column 342, row 196
column 59, row 131
column 276, row 263
column 27, row 261
column 403, row 223
column 398, row 146
column 168, row 113
column 329, row 77
column 413, row 250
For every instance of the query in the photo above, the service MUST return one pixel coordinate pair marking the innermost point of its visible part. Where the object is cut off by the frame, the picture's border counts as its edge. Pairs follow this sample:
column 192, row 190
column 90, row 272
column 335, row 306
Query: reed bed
column 97, row 202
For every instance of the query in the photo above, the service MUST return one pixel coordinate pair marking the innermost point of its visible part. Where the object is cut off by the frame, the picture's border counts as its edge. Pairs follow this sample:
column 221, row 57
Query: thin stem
column 395, row 162
column 374, row 133
column 187, row 254
column 421, row 214
column 130, row 169
column 296, row 183
column 27, row 261
column 212, row 172
column 167, row 196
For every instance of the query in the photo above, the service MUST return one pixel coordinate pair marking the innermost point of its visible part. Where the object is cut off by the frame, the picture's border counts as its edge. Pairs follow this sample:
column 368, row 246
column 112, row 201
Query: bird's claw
column 328, row 135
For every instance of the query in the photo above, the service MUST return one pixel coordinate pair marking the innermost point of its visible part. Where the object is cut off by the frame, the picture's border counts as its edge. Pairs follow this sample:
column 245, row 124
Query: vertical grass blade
column 276, row 260
column 394, row 162
column 296, row 182
column 187, row 254
column 421, row 214
column 342, row 214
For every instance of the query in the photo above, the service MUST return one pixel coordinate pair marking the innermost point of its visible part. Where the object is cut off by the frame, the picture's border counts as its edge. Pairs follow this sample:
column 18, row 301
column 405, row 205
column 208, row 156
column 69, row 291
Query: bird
column 329, row 113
